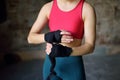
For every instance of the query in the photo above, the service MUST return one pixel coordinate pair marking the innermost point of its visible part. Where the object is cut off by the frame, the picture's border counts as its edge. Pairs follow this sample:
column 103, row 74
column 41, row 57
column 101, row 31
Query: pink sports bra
column 67, row 20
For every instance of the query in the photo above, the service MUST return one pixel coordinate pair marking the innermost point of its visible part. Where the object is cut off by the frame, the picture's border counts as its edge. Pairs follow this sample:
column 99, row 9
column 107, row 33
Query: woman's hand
column 66, row 38
column 48, row 48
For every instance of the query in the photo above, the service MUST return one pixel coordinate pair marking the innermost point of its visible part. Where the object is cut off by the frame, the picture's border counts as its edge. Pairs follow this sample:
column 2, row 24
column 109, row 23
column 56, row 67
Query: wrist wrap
column 56, row 51
column 60, row 51
column 53, row 37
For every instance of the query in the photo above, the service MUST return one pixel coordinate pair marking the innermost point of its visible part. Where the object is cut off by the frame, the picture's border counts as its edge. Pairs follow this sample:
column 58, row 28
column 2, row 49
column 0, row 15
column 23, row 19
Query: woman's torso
column 77, row 41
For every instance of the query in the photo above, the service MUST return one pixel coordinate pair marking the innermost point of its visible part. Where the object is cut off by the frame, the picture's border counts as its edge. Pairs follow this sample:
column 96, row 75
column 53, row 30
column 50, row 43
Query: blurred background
column 22, row 61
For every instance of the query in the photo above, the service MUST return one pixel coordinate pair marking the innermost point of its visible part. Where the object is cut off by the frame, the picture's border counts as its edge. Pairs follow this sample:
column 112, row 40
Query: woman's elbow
column 92, row 47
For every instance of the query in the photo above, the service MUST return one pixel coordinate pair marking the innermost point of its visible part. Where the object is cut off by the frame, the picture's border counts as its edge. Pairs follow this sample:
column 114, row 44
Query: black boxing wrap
column 59, row 50
column 54, row 36
column 53, row 75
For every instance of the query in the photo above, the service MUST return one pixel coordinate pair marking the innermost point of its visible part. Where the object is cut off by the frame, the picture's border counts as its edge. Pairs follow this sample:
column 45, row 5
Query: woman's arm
column 89, row 18
column 34, row 36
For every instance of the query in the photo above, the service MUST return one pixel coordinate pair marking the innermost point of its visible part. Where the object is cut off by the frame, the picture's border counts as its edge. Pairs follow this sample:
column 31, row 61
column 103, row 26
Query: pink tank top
column 67, row 20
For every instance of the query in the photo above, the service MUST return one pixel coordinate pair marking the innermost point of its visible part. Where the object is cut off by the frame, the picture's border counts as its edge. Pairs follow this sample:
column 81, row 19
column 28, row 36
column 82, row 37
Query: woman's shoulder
column 88, row 9
column 47, row 8
column 48, row 5
column 87, row 6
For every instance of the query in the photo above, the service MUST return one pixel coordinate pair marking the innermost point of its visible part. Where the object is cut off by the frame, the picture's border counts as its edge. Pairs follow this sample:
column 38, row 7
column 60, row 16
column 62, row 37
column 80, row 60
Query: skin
column 88, row 15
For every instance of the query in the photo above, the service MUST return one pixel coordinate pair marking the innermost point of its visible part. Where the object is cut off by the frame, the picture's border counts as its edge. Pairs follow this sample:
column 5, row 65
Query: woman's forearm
column 82, row 50
column 35, row 38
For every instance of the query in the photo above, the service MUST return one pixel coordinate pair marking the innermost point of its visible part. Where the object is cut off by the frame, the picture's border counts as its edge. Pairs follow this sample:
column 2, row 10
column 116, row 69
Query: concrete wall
column 21, row 14
column 108, row 21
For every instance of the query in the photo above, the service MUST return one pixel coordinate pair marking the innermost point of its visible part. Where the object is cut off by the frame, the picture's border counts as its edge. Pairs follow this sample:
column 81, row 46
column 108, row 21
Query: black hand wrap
column 54, row 36
column 60, row 51
column 57, row 51
column 53, row 74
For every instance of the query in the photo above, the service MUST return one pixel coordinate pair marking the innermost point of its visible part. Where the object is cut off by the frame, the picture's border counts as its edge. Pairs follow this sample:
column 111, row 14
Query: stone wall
column 108, row 21
column 14, row 31
column 21, row 14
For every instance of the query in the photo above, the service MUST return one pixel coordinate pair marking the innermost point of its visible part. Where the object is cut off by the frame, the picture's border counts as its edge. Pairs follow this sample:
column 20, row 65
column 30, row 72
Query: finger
column 49, row 45
column 48, row 48
column 66, row 39
column 65, row 33
column 48, row 51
